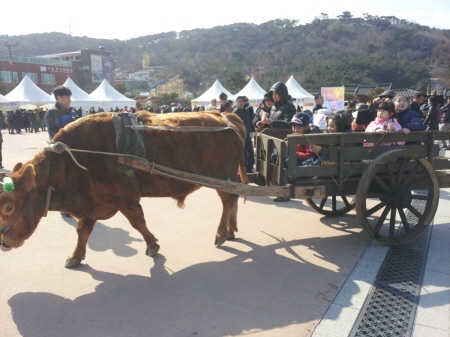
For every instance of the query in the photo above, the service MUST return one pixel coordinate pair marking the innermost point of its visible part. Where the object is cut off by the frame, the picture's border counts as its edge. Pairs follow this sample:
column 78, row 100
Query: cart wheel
column 405, row 196
column 334, row 205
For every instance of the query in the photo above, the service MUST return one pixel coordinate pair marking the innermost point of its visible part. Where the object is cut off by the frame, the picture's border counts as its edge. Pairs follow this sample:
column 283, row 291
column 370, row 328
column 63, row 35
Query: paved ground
column 278, row 278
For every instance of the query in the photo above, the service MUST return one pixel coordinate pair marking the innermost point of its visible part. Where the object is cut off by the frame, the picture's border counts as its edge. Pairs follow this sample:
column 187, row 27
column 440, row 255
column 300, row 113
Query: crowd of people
column 22, row 120
column 386, row 113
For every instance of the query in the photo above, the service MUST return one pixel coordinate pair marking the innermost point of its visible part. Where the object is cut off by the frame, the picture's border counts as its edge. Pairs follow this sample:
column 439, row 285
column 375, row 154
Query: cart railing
column 348, row 157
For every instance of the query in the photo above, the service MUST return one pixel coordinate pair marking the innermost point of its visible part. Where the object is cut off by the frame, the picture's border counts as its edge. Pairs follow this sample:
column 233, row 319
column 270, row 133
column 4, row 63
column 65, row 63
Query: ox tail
column 243, row 174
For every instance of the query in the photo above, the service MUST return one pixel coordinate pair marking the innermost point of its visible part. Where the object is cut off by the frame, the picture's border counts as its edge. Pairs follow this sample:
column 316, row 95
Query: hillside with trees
column 325, row 52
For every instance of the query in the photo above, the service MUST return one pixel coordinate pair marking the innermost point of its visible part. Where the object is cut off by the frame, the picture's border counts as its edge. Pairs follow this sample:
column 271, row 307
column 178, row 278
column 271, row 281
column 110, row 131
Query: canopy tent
column 107, row 97
column 300, row 95
column 27, row 92
column 253, row 91
column 7, row 104
column 213, row 92
column 80, row 98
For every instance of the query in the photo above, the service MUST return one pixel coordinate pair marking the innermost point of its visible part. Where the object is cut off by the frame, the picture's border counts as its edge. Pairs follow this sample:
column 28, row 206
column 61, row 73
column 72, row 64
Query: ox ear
column 17, row 167
column 28, row 178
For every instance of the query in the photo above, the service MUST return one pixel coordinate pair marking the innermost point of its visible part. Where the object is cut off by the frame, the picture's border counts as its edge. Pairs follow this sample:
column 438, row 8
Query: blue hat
column 300, row 118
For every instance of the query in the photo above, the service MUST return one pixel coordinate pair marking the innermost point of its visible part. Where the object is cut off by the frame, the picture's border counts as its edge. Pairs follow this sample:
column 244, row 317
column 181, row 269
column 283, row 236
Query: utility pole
column 114, row 59
column 9, row 46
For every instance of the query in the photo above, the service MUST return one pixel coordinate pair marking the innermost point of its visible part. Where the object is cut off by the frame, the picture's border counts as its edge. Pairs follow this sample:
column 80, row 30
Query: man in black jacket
column 416, row 103
column 385, row 96
column 319, row 103
column 431, row 121
column 284, row 109
column 249, row 152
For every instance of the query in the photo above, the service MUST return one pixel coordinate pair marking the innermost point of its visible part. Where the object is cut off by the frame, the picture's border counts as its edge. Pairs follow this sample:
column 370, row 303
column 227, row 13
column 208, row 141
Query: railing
column 36, row 60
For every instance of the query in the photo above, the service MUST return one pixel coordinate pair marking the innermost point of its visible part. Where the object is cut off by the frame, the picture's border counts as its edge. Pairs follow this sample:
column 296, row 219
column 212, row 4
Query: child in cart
column 300, row 126
column 386, row 121
column 335, row 123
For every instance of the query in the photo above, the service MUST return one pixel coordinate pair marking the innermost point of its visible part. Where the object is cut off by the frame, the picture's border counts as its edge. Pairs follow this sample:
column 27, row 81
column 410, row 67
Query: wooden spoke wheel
column 334, row 205
column 397, row 196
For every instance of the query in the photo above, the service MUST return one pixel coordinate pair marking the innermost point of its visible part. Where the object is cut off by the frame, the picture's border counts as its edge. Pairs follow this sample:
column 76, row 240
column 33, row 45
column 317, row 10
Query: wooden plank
column 370, row 153
column 361, row 137
column 287, row 191
column 441, row 163
column 276, row 133
column 443, row 179
column 314, row 171
column 342, row 157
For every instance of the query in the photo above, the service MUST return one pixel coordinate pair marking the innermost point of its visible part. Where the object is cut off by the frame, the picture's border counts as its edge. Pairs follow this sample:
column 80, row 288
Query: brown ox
column 102, row 191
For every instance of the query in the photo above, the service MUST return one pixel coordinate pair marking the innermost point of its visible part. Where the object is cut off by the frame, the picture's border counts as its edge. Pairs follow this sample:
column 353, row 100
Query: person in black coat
column 249, row 152
column 284, row 109
column 319, row 103
column 17, row 121
column 431, row 122
column 10, row 120
column 417, row 102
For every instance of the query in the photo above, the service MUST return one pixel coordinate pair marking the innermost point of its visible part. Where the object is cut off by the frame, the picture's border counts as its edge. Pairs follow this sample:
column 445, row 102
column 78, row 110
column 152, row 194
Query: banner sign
column 108, row 68
column 333, row 98
column 9, row 105
column 96, row 68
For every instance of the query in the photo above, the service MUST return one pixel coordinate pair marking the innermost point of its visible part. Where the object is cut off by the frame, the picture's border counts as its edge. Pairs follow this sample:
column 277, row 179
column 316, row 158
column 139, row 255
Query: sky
column 126, row 20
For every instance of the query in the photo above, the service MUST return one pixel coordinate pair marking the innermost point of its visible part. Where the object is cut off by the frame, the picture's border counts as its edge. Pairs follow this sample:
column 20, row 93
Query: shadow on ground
column 257, row 288
column 105, row 238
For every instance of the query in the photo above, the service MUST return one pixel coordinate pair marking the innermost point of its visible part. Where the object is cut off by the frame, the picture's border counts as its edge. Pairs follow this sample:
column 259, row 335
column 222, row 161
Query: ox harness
column 128, row 141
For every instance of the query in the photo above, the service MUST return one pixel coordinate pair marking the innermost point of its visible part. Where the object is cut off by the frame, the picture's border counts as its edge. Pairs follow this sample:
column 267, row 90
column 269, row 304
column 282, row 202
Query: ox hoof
column 151, row 251
column 72, row 262
column 231, row 237
column 220, row 241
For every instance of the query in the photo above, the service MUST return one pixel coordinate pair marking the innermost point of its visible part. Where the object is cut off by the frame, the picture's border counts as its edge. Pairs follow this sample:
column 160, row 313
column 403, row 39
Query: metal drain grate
column 390, row 307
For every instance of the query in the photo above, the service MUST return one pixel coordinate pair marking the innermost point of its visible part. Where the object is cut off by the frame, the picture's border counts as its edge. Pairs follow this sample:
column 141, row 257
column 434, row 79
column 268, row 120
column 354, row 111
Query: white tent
column 80, row 98
column 27, row 92
column 253, row 91
column 213, row 92
column 108, row 97
column 301, row 96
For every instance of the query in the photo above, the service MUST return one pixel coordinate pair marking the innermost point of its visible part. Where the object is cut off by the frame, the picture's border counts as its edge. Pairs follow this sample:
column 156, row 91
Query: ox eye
column 8, row 208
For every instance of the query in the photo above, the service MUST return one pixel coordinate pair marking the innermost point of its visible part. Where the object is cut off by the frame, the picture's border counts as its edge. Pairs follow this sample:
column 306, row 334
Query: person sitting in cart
column 386, row 121
column 300, row 125
column 335, row 123
column 407, row 118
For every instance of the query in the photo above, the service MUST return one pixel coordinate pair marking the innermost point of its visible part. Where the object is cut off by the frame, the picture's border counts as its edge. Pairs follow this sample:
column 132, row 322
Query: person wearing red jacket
column 300, row 125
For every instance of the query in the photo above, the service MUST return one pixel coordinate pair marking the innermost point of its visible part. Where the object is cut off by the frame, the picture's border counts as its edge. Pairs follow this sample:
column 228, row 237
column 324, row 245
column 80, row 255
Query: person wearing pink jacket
column 386, row 121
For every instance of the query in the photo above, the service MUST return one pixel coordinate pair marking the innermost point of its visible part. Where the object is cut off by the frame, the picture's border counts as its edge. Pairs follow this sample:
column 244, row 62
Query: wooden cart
column 394, row 189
